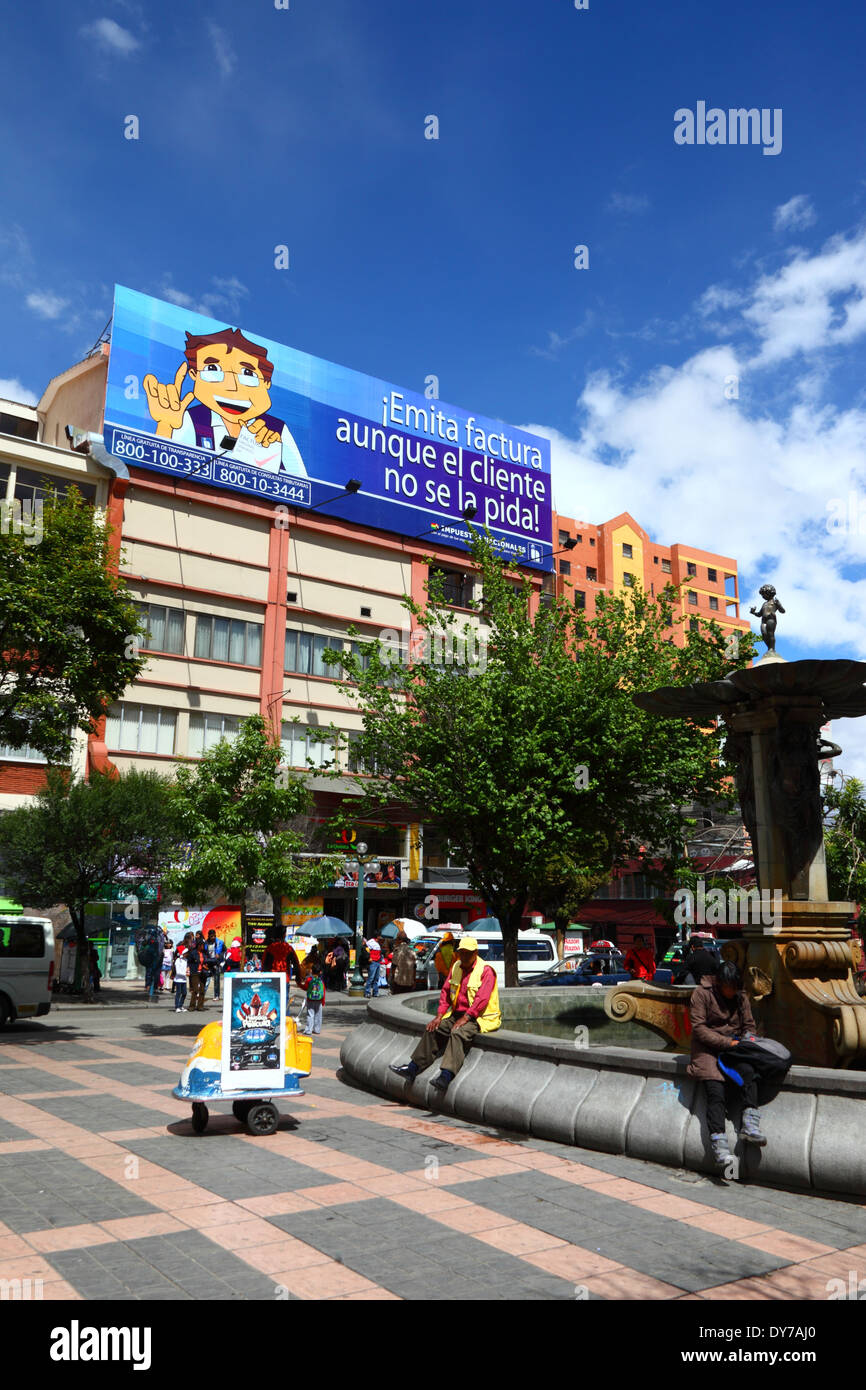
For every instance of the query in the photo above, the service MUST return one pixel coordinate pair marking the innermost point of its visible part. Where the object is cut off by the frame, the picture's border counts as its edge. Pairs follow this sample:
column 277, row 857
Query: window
column 565, row 567
column 164, row 627
column 300, row 742
column 563, row 537
column 655, row 559
column 691, row 568
column 30, row 486
column 592, row 540
column 712, row 576
column 354, row 760
column 457, row 589
column 693, row 625
column 305, row 654
column 693, row 598
column 592, row 574
column 714, row 603
column 579, row 598
column 207, row 730
column 628, row 580
column 24, row 754
column 141, row 728
column 292, row 596
column 579, row 538
column 228, row 639
column 626, row 550
column 666, row 566
column 18, row 425
column 23, row 939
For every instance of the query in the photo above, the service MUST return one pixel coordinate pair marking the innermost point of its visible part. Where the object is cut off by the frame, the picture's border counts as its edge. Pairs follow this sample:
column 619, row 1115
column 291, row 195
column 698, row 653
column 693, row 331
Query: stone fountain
column 798, row 968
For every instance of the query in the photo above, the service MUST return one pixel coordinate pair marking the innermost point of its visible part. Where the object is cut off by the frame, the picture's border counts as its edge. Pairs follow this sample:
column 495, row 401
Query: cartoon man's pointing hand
column 164, row 402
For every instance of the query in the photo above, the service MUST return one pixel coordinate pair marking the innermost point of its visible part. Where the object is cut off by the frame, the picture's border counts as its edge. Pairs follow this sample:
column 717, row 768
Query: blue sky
column 707, row 264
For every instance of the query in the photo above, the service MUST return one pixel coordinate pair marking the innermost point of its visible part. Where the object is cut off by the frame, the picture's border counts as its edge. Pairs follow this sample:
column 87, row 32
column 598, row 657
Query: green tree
column 79, row 837
column 845, row 840
column 240, row 812
column 67, row 628
column 530, row 757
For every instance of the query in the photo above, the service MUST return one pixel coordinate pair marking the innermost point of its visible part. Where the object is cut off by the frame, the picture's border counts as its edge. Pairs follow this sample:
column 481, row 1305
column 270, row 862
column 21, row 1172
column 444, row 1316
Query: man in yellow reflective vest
column 468, row 1005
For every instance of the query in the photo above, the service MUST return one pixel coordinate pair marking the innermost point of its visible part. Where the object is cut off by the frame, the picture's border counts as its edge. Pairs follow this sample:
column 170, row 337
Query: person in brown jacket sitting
column 720, row 1013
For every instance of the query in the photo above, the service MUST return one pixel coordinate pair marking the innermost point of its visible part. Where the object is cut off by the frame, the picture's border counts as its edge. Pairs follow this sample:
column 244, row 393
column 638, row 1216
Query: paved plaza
column 106, row 1193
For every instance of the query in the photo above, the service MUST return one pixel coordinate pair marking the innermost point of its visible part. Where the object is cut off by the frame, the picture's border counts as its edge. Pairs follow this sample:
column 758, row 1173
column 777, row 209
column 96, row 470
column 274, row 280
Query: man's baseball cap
column 467, row 943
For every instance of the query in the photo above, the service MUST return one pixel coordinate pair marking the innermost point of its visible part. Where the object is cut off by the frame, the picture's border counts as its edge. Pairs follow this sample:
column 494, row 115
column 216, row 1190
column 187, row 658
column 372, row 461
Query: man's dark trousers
column 455, row 1036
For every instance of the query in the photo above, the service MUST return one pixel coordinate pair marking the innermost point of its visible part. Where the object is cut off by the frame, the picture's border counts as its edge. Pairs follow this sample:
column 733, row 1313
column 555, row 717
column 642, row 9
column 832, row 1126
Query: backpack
column 148, row 951
column 315, row 990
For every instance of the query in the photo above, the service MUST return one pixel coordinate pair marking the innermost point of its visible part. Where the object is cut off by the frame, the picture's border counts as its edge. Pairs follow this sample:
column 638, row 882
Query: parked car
column 580, row 969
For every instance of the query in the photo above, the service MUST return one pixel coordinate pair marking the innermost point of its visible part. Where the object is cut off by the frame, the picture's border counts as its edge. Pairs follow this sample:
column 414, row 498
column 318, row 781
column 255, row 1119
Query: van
column 26, row 967
column 536, row 952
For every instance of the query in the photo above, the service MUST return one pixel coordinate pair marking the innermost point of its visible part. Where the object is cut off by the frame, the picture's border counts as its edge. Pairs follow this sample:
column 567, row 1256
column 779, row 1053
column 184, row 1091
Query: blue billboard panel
column 203, row 402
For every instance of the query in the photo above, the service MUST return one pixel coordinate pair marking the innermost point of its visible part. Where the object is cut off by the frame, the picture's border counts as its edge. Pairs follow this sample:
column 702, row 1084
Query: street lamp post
column 360, row 863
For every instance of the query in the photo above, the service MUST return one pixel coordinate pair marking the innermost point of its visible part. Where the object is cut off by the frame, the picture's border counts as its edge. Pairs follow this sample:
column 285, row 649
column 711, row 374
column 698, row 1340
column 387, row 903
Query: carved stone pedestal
column 799, row 976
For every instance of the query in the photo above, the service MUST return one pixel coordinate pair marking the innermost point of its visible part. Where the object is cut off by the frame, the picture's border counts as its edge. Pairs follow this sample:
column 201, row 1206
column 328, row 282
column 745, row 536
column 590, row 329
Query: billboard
column 202, row 401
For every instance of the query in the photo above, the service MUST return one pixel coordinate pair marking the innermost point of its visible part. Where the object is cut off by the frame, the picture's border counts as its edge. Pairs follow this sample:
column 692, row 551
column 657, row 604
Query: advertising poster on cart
column 254, row 1033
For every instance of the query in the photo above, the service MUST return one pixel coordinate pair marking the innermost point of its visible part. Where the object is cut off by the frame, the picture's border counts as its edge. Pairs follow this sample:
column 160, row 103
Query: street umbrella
column 323, row 927
column 389, row 932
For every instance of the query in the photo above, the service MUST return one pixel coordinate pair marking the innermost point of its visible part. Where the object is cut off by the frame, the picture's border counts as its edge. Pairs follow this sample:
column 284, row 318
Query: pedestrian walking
column 282, row 958
column 150, row 956
column 95, row 972
column 215, row 956
column 196, row 973
column 444, row 958
column 167, row 962
column 178, row 977
column 374, row 955
column 468, row 1005
column 404, row 966
column 314, row 987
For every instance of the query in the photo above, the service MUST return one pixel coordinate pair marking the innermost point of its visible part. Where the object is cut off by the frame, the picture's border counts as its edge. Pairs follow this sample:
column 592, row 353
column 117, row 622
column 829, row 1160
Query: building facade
column 241, row 601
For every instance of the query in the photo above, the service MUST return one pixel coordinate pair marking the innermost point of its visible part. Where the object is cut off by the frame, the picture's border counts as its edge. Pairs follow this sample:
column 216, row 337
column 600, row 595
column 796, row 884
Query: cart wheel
column 262, row 1119
column 199, row 1117
column 240, row 1109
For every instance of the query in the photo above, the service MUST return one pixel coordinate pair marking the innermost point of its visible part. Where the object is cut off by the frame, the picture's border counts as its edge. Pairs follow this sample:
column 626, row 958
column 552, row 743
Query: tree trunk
column 509, row 921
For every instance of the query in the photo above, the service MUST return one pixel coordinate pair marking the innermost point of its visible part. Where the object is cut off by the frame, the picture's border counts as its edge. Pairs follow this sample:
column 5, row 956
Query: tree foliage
column 67, row 628
column 845, row 840
column 239, row 810
column 490, row 750
column 80, row 837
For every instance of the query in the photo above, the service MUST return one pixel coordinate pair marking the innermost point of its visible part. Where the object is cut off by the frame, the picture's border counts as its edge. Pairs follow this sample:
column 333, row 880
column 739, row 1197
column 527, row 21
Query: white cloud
column 223, row 301
column 112, row 37
column 46, row 304
column 794, row 215
column 223, row 49
column 628, row 202
column 12, row 390
column 751, row 478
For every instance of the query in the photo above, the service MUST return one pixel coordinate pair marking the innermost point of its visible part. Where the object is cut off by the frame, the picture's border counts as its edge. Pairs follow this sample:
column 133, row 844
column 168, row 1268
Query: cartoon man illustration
column 231, row 389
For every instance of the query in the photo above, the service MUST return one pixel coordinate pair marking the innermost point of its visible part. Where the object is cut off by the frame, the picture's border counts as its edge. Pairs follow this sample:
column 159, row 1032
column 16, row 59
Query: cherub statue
column 767, row 613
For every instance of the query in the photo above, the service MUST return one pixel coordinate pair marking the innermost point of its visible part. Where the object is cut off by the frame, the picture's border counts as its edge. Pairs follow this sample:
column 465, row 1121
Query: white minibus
column 26, row 967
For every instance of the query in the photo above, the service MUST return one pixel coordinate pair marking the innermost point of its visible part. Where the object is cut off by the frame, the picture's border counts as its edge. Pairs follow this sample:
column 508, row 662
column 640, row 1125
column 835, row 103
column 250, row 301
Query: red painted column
column 274, row 635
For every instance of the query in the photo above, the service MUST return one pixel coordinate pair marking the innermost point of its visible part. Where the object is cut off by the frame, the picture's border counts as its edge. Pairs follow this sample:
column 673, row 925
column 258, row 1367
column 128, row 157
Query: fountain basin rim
column 397, row 1014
